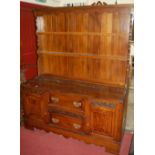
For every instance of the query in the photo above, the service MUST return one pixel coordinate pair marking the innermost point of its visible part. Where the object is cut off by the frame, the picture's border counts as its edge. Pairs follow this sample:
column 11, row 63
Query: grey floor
column 130, row 107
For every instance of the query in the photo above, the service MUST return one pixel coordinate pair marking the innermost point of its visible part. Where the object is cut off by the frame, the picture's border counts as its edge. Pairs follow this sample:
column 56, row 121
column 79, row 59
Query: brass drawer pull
column 36, row 86
column 55, row 120
column 76, row 126
column 77, row 104
column 55, row 99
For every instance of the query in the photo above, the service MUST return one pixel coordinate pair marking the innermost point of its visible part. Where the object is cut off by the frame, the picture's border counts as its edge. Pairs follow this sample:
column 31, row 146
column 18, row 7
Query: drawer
column 69, row 101
column 66, row 122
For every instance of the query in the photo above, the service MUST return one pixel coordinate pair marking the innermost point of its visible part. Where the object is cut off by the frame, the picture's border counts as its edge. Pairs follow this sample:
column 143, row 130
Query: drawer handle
column 55, row 99
column 76, row 126
column 77, row 104
column 55, row 120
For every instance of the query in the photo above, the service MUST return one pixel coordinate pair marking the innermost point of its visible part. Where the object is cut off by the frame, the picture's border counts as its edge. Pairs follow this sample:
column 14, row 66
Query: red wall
column 28, row 43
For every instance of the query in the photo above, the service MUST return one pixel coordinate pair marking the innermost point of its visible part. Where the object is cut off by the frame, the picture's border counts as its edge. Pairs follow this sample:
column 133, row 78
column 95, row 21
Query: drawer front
column 66, row 122
column 68, row 101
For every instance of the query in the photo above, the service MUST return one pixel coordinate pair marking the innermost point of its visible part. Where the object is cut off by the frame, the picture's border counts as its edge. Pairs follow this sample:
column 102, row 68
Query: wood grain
column 82, row 88
column 49, row 104
column 72, row 38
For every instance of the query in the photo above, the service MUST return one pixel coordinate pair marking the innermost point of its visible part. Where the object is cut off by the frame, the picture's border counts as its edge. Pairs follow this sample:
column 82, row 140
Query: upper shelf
column 88, row 43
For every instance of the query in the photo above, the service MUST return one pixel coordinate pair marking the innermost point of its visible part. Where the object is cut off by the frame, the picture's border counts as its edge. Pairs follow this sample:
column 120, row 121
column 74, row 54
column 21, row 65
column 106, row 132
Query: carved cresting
column 99, row 3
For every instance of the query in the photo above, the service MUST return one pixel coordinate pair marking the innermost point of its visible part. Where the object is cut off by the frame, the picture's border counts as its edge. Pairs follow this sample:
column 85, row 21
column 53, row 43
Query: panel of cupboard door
column 103, row 117
column 35, row 106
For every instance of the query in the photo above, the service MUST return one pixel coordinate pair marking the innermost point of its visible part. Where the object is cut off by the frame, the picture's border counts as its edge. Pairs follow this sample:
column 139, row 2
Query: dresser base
column 91, row 113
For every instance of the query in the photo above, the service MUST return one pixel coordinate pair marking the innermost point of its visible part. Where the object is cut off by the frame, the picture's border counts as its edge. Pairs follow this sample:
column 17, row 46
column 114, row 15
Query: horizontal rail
column 121, row 58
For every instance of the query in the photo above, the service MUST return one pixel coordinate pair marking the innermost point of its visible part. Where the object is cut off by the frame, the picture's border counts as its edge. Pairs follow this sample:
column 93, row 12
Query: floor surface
column 130, row 107
column 39, row 142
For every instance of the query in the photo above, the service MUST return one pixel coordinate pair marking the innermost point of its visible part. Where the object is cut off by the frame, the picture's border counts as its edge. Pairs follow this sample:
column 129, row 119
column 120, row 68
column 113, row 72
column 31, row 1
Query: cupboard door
column 103, row 117
column 106, row 118
column 35, row 106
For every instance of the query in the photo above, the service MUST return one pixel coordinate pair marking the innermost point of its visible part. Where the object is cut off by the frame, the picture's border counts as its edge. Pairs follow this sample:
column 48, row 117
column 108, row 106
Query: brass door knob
column 76, row 126
column 55, row 99
column 77, row 104
column 55, row 120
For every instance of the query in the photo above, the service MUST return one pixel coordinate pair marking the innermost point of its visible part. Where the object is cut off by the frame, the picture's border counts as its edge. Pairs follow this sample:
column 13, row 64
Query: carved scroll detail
column 99, row 3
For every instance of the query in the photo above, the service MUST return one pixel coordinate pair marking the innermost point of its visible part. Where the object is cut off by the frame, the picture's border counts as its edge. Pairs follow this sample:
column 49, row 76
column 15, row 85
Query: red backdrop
column 28, row 44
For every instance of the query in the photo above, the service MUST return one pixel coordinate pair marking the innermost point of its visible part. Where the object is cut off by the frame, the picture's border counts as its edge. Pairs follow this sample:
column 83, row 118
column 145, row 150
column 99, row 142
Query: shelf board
column 113, row 57
column 81, row 33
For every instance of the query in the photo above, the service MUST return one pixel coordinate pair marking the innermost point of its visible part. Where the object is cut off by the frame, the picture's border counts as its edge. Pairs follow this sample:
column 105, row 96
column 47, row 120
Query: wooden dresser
column 83, row 64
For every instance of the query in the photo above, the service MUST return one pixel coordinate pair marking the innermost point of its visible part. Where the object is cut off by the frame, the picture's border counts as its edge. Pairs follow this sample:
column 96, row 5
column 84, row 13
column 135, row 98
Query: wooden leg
column 28, row 126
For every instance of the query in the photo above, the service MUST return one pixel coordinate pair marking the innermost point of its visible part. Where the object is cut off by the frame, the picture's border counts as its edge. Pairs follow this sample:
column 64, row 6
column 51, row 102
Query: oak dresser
column 83, row 64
